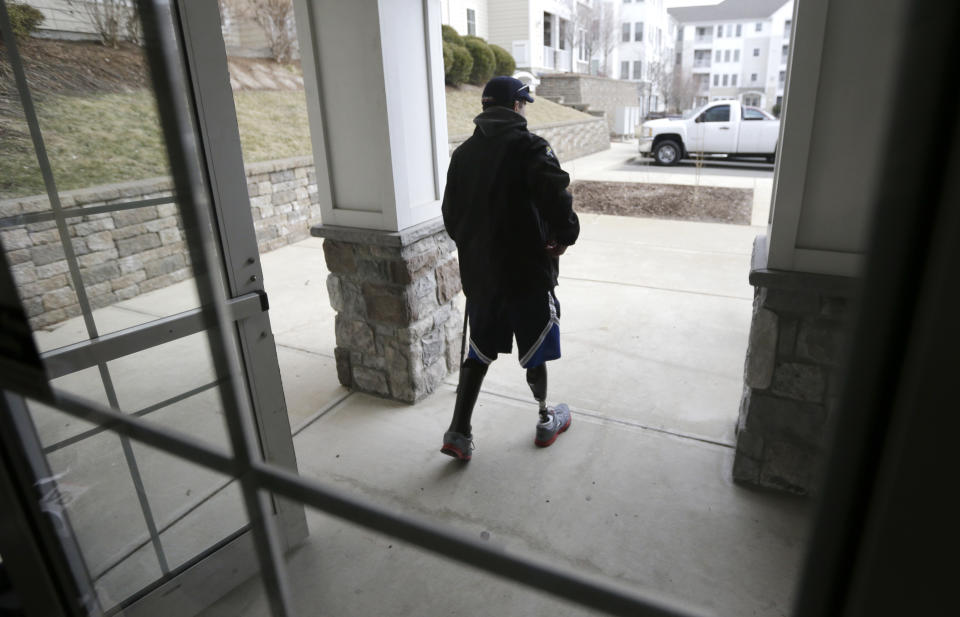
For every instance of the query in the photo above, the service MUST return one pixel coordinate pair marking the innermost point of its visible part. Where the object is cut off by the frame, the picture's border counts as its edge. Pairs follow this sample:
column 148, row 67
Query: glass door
column 108, row 262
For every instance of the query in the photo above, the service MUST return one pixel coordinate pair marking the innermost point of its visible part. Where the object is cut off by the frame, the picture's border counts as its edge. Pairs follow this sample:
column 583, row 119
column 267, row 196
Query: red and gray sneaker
column 457, row 445
column 558, row 420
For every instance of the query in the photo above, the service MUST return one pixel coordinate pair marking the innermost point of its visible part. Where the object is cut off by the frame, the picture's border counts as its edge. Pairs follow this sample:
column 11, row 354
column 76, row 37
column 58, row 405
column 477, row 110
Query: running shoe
column 457, row 445
column 558, row 420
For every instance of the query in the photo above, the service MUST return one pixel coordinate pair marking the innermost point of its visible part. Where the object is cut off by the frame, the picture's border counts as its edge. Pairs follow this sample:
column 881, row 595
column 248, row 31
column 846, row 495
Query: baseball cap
column 504, row 91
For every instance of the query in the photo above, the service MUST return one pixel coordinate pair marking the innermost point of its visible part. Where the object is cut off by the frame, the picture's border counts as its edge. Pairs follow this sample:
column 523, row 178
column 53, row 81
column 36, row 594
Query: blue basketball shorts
column 534, row 320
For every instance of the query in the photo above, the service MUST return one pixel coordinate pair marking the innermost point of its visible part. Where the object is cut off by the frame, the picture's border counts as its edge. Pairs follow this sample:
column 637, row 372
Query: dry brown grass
column 463, row 105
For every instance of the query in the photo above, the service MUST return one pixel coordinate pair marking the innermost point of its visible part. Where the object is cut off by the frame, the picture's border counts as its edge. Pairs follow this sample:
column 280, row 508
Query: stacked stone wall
column 125, row 253
column 792, row 377
column 569, row 140
column 397, row 326
column 598, row 93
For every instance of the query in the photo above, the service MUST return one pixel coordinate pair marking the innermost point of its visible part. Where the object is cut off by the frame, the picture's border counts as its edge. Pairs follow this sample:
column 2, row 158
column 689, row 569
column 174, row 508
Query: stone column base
column 398, row 327
column 792, row 374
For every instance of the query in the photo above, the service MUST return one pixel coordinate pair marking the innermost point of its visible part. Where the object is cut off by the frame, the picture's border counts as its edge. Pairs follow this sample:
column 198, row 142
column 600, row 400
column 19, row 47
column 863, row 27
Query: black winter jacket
column 505, row 199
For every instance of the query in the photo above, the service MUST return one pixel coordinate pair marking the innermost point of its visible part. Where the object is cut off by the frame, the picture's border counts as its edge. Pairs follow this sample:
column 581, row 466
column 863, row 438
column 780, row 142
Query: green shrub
column 506, row 65
column 776, row 109
column 461, row 67
column 23, row 19
column 451, row 36
column 447, row 59
column 483, row 60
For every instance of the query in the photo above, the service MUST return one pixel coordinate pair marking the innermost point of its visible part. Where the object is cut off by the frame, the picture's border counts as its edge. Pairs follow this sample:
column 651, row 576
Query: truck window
column 720, row 113
column 753, row 114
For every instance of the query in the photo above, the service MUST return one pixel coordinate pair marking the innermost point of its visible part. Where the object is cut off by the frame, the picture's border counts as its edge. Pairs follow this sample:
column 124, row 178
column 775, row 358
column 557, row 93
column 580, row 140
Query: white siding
column 62, row 17
column 509, row 21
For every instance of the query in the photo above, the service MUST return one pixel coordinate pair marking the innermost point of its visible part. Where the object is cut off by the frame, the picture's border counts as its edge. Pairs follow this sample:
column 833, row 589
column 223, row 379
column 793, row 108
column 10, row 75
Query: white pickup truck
column 720, row 127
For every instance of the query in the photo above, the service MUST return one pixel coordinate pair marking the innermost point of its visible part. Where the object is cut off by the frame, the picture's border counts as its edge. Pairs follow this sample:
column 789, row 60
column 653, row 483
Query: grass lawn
column 114, row 137
column 106, row 138
column 463, row 104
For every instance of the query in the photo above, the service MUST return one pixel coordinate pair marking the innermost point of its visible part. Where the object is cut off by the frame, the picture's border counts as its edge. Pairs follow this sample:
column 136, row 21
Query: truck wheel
column 667, row 152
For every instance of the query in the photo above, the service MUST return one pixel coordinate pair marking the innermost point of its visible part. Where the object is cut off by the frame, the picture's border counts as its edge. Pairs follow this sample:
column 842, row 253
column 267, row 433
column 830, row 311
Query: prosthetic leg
column 537, row 380
column 553, row 420
column 457, row 441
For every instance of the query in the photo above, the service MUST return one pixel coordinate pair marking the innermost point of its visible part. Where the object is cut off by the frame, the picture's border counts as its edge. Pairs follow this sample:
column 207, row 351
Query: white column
column 373, row 78
column 834, row 133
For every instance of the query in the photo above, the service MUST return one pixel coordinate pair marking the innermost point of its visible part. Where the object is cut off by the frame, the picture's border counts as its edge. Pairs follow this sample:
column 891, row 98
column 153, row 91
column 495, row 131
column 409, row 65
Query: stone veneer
column 126, row 253
column 792, row 375
column 398, row 326
column 569, row 140
column 591, row 92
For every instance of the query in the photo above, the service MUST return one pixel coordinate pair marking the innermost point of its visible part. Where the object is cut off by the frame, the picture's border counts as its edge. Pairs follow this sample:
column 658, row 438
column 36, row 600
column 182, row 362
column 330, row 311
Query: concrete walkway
column 655, row 316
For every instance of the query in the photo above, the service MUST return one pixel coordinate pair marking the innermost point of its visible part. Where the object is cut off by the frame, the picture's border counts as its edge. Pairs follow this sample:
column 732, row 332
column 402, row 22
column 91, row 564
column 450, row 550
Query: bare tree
column 578, row 33
column 113, row 20
column 275, row 17
column 676, row 86
column 604, row 32
column 685, row 89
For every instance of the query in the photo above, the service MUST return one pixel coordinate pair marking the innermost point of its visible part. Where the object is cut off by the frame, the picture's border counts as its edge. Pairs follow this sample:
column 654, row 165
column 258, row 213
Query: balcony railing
column 701, row 63
column 549, row 59
column 700, row 40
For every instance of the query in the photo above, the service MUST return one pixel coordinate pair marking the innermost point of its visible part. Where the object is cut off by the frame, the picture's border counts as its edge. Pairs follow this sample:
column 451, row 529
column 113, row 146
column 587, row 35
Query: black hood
column 496, row 120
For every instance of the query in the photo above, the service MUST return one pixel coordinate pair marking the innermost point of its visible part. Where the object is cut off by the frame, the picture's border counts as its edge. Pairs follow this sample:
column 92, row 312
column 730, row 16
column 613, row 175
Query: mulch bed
column 710, row 204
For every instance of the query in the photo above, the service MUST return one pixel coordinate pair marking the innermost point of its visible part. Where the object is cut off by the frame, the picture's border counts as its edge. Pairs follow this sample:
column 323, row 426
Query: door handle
column 724, row 128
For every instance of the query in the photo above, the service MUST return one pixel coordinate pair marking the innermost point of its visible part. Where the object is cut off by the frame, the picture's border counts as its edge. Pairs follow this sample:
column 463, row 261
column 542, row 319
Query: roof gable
column 730, row 9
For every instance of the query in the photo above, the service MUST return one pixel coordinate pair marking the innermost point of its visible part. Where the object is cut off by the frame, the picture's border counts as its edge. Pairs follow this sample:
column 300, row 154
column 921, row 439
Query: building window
column 720, row 31
column 624, row 70
column 581, row 45
column 564, row 25
column 759, row 27
column 716, row 80
column 726, row 56
column 719, row 54
column 638, row 69
column 679, row 59
column 659, row 37
column 784, row 53
column 680, row 33
column 753, row 77
column 547, row 30
column 729, row 30
column 739, row 31
column 471, row 22
column 625, row 37
column 733, row 80
column 637, row 31
column 726, row 80
column 787, row 27
column 701, row 57
column 736, row 55
column 783, row 77
column 756, row 52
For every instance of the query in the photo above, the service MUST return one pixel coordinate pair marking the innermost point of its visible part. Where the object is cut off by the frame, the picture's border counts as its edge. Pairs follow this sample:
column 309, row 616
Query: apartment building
column 646, row 36
column 468, row 17
column 736, row 49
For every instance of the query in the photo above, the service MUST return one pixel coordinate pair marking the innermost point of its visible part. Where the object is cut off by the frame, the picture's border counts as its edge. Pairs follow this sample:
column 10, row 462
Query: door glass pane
column 97, row 118
column 139, row 515
column 100, row 252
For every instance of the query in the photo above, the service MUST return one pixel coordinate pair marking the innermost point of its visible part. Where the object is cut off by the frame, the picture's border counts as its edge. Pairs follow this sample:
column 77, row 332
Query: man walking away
column 507, row 208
